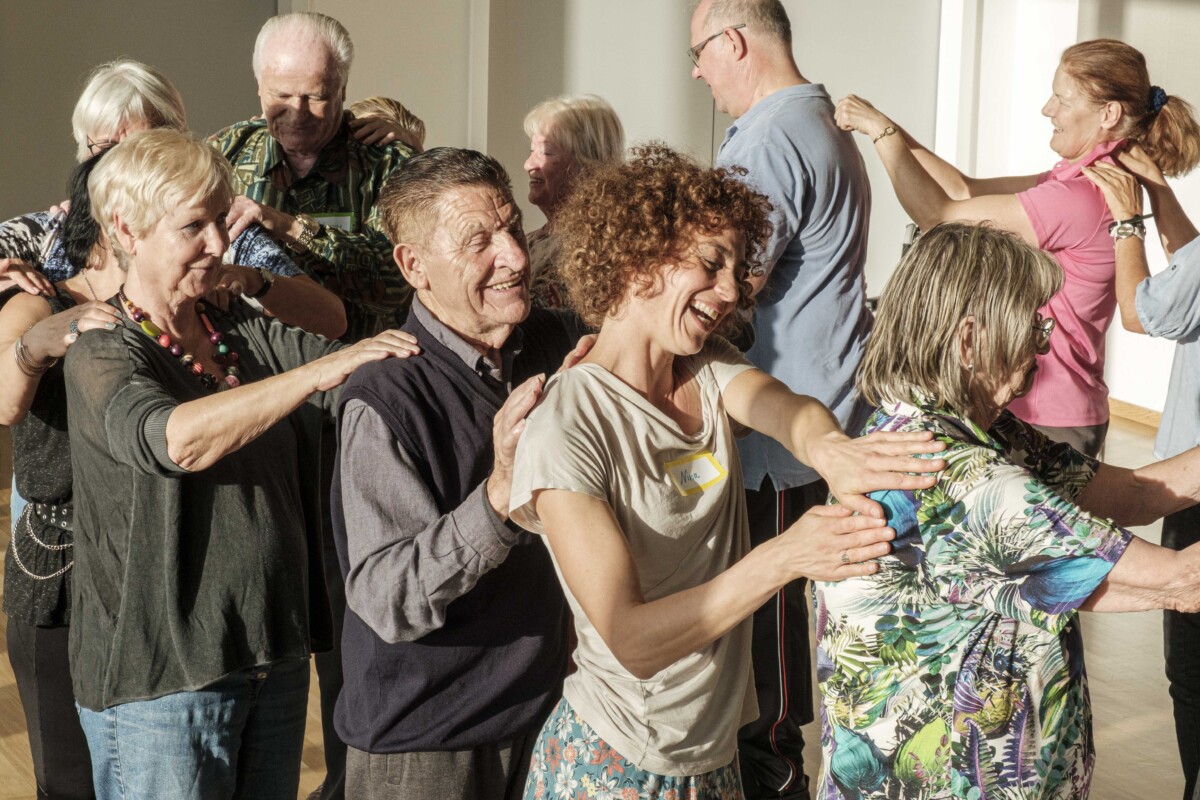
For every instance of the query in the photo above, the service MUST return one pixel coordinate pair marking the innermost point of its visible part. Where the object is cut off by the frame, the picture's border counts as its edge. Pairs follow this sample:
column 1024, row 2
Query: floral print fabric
column 571, row 762
column 957, row 669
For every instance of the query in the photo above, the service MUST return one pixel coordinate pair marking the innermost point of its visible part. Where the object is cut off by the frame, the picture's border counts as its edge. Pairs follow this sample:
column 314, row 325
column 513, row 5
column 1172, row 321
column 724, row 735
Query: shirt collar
column 1064, row 169
column 954, row 424
column 464, row 350
column 766, row 104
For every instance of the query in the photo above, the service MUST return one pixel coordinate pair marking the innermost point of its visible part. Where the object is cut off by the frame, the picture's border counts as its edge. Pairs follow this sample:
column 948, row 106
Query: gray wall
column 48, row 47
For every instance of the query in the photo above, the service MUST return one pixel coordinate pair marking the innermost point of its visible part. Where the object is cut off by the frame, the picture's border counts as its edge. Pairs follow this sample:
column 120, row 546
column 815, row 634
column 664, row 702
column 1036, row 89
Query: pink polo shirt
column 1070, row 218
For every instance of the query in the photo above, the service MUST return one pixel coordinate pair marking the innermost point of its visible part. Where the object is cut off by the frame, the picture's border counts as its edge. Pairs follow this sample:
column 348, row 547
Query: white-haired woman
column 957, row 670
column 1102, row 97
column 198, row 590
column 125, row 96
column 566, row 136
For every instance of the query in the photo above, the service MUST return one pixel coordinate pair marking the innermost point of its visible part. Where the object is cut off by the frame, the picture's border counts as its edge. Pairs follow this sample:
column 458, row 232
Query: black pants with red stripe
column 771, row 749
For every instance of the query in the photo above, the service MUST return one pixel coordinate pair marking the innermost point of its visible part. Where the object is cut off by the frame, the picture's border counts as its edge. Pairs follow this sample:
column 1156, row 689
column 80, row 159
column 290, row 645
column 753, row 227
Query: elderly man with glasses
column 811, row 290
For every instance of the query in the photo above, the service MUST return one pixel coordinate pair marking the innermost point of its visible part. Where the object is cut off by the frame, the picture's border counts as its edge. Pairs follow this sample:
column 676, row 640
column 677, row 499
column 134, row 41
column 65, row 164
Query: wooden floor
column 1135, row 739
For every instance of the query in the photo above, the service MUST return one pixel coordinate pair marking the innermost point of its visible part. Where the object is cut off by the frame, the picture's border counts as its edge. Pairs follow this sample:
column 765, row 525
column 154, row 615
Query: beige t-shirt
column 680, row 503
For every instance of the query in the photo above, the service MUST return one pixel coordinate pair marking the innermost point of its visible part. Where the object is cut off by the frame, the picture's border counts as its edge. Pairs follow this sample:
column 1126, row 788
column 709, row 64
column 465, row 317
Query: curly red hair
column 623, row 222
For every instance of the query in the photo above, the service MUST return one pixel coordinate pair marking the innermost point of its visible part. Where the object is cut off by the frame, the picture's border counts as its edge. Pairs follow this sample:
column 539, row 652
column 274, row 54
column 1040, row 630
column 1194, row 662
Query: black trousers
column 771, row 749
column 62, row 764
column 1181, row 645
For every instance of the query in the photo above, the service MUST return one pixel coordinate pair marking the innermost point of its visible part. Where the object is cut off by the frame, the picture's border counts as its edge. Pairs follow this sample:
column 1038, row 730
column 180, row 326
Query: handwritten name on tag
column 695, row 473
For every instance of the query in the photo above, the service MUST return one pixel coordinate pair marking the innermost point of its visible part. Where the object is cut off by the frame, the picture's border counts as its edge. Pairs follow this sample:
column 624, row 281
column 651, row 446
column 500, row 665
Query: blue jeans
column 241, row 736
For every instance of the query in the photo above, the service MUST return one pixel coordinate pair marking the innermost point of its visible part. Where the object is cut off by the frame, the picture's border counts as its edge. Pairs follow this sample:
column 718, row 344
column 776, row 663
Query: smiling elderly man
column 305, row 177
column 455, row 642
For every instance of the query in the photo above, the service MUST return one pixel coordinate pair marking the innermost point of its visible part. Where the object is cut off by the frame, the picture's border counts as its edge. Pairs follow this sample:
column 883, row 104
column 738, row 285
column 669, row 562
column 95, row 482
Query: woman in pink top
column 1102, row 98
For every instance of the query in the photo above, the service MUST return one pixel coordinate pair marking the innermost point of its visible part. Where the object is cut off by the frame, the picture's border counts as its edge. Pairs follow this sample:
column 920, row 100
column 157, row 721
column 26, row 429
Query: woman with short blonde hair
column 198, row 589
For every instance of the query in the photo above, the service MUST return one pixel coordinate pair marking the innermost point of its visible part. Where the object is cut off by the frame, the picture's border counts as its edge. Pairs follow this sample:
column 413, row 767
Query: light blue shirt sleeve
column 1168, row 304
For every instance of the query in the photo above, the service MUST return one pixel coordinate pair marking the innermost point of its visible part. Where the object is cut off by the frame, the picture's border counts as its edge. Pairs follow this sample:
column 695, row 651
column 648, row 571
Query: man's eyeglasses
column 694, row 51
column 1044, row 327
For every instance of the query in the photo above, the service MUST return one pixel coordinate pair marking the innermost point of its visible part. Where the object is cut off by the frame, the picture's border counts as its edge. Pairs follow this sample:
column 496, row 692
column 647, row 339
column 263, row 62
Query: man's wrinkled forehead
column 477, row 205
column 298, row 48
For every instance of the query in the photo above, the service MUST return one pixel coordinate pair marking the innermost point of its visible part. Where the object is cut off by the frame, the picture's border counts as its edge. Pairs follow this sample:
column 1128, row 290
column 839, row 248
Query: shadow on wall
column 526, row 64
column 48, row 48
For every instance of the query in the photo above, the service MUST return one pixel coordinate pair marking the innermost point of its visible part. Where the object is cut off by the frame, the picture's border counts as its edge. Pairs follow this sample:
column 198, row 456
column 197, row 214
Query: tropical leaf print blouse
column 957, row 669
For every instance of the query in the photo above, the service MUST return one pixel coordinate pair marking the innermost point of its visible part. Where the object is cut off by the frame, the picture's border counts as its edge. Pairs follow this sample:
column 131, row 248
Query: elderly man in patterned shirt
column 304, row 176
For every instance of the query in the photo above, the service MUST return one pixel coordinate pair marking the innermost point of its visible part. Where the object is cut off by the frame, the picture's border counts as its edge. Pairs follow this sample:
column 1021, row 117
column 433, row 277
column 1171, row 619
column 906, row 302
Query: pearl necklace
column 221, row 353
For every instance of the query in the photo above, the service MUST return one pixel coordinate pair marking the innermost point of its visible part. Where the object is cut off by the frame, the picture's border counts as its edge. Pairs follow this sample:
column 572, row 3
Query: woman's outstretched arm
column 647, row 636
column 924, row 199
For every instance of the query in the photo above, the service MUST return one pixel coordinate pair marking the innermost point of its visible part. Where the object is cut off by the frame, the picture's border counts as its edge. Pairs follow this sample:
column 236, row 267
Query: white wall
column 416, row 51
column 47, row 49
column 1019, row 43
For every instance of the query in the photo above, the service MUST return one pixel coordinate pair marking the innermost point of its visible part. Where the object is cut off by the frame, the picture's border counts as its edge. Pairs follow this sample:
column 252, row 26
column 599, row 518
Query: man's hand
column 245, row 212
column 506, row 431
column 582, row 348
column 15, row 272
column 879, row 461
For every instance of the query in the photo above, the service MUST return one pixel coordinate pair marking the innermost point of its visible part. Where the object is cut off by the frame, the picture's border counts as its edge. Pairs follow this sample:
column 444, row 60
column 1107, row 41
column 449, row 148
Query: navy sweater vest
column 495, row 669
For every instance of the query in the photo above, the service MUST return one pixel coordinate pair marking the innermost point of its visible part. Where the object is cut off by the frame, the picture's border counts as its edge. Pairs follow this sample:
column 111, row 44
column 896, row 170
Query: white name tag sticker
column 343, row 222
column 695, row 473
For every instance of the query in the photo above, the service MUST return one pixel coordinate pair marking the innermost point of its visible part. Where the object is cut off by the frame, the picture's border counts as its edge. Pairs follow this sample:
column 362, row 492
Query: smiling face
column 698, row 293
column 1079, row 124
column 550, row 167
column 301, row 94
column 180, row 257
column 474, row 271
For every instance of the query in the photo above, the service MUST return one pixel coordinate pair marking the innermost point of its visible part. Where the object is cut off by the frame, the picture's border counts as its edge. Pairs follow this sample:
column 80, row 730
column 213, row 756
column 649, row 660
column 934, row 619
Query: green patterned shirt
column 350, row 255
column 957, row 669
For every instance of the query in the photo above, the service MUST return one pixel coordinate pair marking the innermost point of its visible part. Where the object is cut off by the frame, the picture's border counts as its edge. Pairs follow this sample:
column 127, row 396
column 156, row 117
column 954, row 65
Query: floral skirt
column 570, row 761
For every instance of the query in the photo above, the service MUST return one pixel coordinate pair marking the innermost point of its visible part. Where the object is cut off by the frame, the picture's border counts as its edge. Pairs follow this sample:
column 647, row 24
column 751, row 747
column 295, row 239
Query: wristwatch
column 1134, row 226
column 268, row 280
column 309, row 228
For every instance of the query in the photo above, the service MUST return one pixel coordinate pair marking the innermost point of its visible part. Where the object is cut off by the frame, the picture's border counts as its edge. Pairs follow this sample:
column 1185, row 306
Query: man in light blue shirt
column 811, row 324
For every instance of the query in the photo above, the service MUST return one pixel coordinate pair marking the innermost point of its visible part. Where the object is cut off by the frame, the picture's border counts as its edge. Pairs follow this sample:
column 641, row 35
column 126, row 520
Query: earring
column 971, row 367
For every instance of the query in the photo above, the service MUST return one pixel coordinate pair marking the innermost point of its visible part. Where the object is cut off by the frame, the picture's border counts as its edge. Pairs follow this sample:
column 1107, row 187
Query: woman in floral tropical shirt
column 957, row 669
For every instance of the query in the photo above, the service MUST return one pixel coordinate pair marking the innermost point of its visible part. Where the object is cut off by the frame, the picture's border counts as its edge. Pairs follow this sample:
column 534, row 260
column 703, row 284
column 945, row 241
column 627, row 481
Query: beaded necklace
column 221, row 353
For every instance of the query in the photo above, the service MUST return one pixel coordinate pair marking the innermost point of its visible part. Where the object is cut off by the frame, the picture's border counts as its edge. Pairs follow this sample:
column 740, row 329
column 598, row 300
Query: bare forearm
column 919, row 193
column 202, row 432
column 1141, row 496
column 1131, row 270
column 1147, row 577
column 17, row 388
column 302, row 302
column 953, row 182
column 648, row 637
